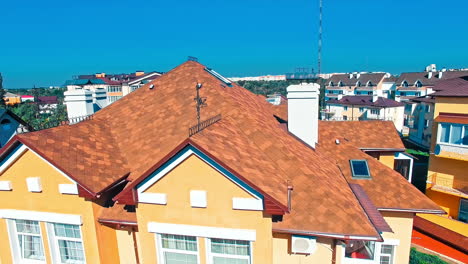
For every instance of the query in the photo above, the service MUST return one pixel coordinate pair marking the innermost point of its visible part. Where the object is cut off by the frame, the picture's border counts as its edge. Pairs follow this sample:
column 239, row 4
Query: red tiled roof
column 365, row 100
column 457, row 87
column 452, row 118
column 117, row 214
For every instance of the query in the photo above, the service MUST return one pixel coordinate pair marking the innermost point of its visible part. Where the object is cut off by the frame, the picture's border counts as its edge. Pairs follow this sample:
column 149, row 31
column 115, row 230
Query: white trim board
column 152, row 198
column 202, row 231
column 41, row 216
column 247, row 204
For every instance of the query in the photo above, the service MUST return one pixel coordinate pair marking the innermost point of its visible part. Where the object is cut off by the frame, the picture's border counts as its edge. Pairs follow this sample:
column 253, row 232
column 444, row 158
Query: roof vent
column 337, row 141
column 151, row 86
column 219, row 76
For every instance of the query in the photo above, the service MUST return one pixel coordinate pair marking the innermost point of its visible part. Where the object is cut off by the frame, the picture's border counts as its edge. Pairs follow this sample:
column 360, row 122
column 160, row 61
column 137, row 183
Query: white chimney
column 100, row 97
column 303, row 107
column 358, row 75
column 79, row 103
column 429, row 75
column 350, row 75
column 440, row 74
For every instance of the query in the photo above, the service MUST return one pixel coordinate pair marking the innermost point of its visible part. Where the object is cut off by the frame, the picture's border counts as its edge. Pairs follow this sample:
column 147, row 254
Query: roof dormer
column 331, row 84
column 358, row 83
column 418, row 83
column 404, row 83
column 340, row 83
column 369, row 84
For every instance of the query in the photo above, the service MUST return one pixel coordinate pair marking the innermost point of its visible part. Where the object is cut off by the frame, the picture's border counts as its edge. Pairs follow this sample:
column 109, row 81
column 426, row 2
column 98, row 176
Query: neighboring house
column 11, row 99
column 11, row 125
column 142, row 182
column 416, row 84
column 339, row 85
column 47, row 104
column 116, row 85
column 266, row 78
column 419, row 117
column 447, row 180
column 365, row 107
column 27, row 98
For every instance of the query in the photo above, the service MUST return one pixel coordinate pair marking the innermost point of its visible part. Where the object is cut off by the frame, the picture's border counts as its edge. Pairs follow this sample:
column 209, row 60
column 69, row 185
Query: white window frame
column 210, row 255
column 375, row 111
column 377, row 253
column 439, row 134
column 160, row 250
column 54, row 246
column 15, row 246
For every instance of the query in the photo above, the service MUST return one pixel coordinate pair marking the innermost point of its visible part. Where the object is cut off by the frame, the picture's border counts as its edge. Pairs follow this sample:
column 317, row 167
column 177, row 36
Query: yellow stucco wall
column 402, row 225
column 126, row 249
column 282, row 251
column 194, row 174
column 388, row 159
column 49, row 200
column 450, row 203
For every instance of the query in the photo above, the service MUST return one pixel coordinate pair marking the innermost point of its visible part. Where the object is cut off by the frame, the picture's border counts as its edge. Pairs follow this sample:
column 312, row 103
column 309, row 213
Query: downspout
column 135, row 245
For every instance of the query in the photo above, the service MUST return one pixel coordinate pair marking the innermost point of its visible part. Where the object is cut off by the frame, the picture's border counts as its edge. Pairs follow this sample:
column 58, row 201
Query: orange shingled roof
column 369, row 134
column 117, row 214
column 134, row 134
column 387, row 189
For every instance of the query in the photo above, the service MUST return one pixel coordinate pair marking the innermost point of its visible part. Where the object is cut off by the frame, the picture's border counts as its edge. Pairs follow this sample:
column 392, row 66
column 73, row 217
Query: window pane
column 27, row 226
column 31, row 247
column 387, row 249
column 385, row 260
column 178, row 258
column 455, row 134
column 179, row 242
column 360, row 249
column 221, row 260
column 64, row 230
column 445, row 133
column 463, row 212
column 230, row 247
column 71, row 251
column 359, row 168
column 465, row 136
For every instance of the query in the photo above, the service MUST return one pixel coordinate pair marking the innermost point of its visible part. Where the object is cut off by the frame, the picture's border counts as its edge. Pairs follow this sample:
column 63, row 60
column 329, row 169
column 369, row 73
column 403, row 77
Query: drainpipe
column 135, row 245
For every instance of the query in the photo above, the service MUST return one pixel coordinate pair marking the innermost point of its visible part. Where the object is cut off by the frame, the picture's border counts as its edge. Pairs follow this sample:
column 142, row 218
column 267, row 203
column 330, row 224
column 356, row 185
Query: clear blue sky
column 46, row 42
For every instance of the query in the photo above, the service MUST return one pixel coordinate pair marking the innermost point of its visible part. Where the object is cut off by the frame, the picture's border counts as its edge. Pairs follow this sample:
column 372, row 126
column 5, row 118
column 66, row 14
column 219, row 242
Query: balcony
column 451, row 151
column 447, row 184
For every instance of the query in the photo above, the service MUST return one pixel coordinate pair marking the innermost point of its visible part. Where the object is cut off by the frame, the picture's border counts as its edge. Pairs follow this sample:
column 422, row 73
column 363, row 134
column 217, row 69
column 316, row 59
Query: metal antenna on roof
column 200, row 102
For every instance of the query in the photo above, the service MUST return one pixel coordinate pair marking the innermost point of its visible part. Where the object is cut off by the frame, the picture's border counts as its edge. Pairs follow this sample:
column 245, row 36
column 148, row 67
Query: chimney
column 100, row 97
column 303, row 106
column 429, row 75
column 79, row 103
column 440, row 74
column 358, row 75
column 350, row 75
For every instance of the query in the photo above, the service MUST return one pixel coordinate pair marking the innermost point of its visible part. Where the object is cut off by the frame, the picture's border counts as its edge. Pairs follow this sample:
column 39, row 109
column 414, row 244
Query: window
column 370, row 93
column 66, row 244
column 360, row 169
column 463, row 212
column 360, row 249
column 345, row 108
column 386, row 254
column 418, row 84
column 456, row 134
column 113, row 98
column 225, row 251
column 426, row 123
column 417, row 94
column 404, row 84
column 361, row 109
column 176, row 249
column 29, row 240
column 114, row 88
column 331, row 84
column 375, row 111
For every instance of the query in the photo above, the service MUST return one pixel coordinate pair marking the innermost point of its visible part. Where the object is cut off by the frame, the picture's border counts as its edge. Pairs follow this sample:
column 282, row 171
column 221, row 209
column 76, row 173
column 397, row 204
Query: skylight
column 360, row 169
column 219, row 76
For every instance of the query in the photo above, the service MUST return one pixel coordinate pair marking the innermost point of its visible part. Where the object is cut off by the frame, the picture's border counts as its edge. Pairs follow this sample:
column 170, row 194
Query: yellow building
column 11, row 99
column 448, row 177
column 143, row 182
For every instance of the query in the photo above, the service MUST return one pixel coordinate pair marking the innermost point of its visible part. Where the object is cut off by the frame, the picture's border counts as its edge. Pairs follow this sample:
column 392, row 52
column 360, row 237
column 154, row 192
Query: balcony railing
column 453, row 151
column 440, row 180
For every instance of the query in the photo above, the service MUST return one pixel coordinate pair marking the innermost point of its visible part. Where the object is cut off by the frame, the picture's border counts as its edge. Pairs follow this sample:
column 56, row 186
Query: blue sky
column 46, row 42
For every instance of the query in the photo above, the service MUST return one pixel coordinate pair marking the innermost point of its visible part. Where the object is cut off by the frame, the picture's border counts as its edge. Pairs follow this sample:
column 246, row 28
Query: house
column 415, row 84
column 144, row 181
column 27, row 98
column 47, row 104
column 116, row 85
column 11, row 125
column 419, row 117
column 364, row 107
column 339, row 85
column 11, row 98
column 447, row 180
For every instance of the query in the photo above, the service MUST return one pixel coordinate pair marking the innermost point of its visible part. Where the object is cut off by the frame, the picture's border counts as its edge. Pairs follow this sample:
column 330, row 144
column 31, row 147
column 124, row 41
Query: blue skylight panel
column 360, row 169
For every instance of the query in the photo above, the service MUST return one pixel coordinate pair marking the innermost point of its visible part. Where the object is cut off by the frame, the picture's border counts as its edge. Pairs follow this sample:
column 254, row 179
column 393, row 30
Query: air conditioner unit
column 303, row 244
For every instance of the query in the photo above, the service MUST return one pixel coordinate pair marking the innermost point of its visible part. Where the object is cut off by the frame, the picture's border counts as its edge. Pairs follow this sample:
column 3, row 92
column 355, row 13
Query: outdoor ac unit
column 303, row 245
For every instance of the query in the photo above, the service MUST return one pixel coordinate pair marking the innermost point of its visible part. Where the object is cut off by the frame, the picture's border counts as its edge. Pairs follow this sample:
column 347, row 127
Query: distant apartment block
column 415, row 84
column 339, row 85
column 364, row 107
column 116, row 85
column 260, row 78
